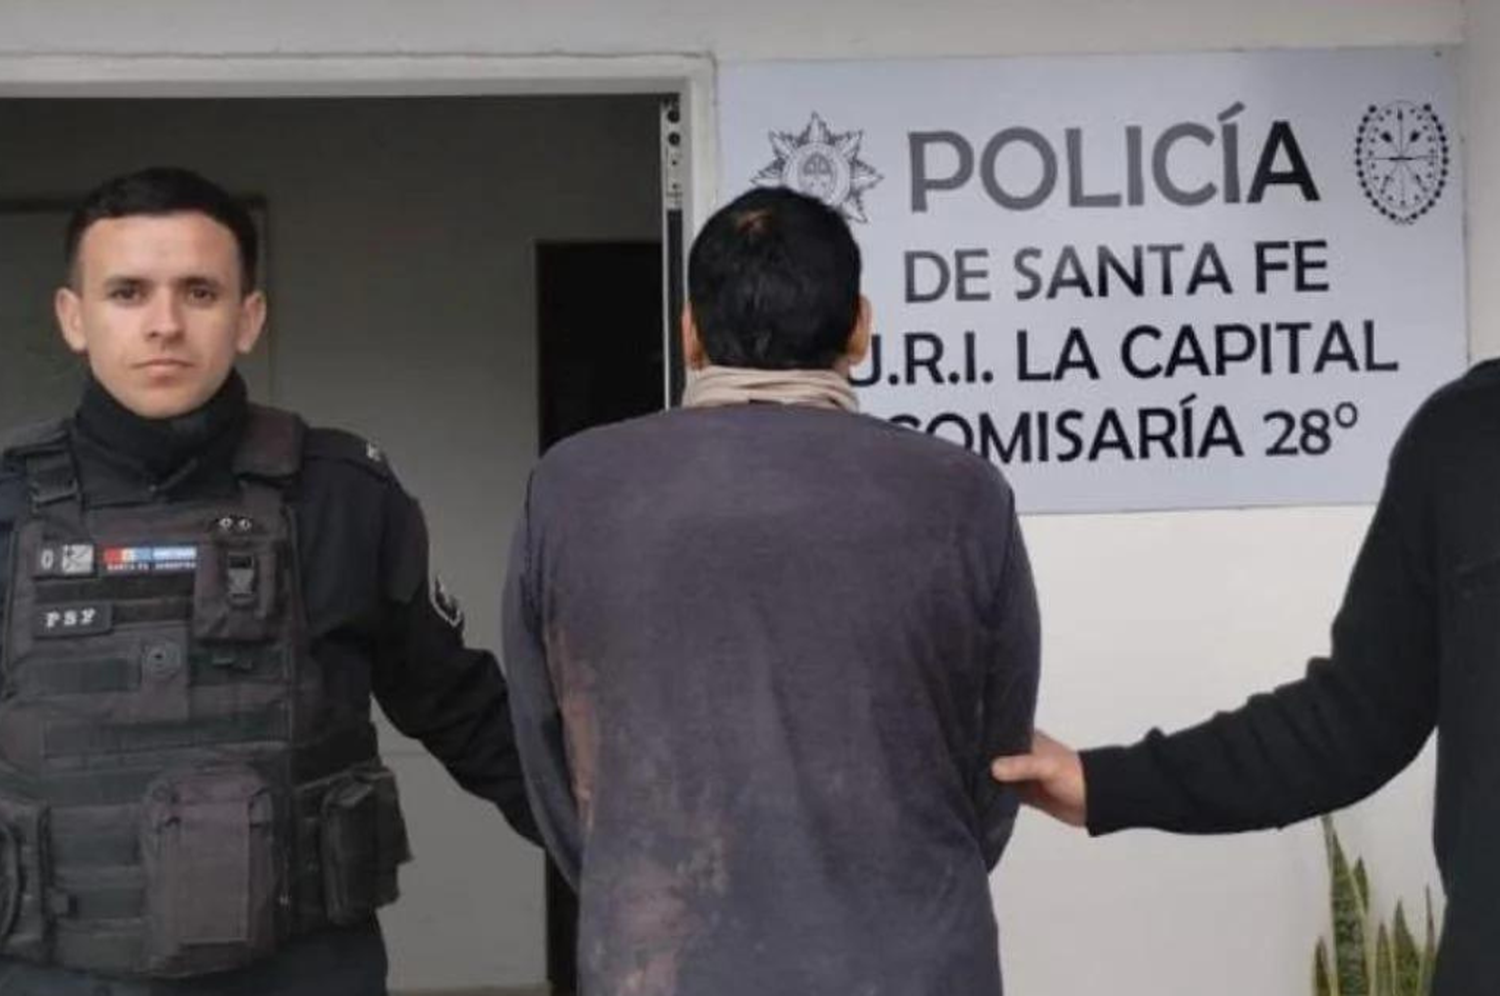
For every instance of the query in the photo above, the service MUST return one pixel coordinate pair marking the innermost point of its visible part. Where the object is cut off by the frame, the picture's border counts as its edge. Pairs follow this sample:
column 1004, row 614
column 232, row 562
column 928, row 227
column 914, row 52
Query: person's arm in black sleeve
column 538, row 721
column 1012, row 672
column 433, row 688
column 1352, row 723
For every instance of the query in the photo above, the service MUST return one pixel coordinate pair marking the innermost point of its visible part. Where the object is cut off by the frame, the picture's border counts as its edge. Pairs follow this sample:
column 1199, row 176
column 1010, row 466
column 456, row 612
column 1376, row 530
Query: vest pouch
column 363, row 841
column 212, row 884
column 25, row 870
column 235, row 590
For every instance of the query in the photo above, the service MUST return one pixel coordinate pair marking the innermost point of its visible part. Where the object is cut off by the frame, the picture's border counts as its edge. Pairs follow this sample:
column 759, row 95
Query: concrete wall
column 403, row 306
column 1149, row 618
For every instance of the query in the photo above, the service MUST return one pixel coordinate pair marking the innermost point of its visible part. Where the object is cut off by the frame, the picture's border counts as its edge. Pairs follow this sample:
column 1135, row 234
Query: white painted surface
column 1149, row 618
column 1482, row 139
column 727, row 28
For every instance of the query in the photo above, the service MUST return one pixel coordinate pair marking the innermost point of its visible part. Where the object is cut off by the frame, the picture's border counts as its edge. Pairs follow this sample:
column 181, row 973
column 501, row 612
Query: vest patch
column 78, row 619
column 65, row 560
column 149, row 559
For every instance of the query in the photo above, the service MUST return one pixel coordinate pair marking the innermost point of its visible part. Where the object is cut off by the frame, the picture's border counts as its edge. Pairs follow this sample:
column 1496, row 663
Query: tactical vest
column 176, row 795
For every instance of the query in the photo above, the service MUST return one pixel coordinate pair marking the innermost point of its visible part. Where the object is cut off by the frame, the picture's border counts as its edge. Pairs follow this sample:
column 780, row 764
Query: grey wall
column 403, row 306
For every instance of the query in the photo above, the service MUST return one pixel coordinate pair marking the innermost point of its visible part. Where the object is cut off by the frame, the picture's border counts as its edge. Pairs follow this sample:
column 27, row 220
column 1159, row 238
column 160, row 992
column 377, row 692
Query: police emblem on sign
column 821, row 163
column 1402, row 156
column 445, row 605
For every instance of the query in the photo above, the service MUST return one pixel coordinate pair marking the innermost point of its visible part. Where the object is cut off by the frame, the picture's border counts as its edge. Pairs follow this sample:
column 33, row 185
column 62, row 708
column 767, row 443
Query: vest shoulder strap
column 17, row 443
column 271, row 449
column 42, row 453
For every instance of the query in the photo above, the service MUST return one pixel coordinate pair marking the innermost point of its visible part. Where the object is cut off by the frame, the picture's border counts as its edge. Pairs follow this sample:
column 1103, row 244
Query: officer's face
column 156, row 306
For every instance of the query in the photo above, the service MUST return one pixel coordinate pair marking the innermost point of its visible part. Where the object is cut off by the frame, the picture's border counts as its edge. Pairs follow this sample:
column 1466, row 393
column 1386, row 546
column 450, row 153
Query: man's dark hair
column 162, row 190
column 773, row 281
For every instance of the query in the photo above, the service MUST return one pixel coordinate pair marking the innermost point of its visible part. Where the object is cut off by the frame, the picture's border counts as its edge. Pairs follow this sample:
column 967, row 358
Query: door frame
column 691, row 77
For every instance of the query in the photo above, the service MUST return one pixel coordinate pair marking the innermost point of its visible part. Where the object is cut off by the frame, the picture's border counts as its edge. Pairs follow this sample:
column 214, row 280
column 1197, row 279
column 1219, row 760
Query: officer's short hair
column 773, row 282
column 162, row 190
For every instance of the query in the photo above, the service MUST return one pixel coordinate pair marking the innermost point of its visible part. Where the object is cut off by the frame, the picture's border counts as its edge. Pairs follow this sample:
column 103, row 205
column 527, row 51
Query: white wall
column 730, row 29
column 1149, row 618
column 1482, row 138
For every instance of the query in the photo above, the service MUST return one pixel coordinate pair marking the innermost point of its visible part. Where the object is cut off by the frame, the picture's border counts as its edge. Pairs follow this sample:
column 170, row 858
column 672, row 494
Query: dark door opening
column 601, row 359
column 600, row 326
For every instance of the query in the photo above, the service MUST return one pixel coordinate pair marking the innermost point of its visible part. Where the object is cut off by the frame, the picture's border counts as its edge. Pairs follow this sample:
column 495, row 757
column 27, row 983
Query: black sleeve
column 1351, row 724
column 1011, row 677
column 450, row 697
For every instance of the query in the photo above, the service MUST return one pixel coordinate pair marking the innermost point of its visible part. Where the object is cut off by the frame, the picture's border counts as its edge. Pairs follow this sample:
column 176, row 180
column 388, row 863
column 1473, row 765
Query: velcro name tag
column 65, row 560
column 78, row 619
column 149, row 559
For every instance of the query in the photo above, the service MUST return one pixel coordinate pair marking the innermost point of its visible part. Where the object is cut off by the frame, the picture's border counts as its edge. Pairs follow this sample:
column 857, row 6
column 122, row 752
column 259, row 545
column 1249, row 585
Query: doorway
column 599, row 339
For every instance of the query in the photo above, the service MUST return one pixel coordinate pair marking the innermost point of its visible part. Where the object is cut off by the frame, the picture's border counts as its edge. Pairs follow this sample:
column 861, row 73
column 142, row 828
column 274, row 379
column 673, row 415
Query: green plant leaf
column 1362, row 883
column 1351, row 963
column 1429, row 950
column 1322, row 982
column 1385, row 975
column 1405, row 956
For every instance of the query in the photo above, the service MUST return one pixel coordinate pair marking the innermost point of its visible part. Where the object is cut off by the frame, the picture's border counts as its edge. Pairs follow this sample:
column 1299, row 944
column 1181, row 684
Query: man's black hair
column 163, row 190
column 773, row 282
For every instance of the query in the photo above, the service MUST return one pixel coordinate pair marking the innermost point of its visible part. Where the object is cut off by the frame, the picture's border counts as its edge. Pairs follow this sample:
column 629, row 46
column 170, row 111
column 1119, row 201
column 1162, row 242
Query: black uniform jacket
column 1416, row 646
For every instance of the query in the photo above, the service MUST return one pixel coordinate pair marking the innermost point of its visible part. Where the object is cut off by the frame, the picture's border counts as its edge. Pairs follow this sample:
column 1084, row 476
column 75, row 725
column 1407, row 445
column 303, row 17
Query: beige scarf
column 712, row 386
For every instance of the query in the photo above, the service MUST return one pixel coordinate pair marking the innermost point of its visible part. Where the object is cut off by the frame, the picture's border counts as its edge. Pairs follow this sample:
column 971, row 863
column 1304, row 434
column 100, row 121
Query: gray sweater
column 760, row 657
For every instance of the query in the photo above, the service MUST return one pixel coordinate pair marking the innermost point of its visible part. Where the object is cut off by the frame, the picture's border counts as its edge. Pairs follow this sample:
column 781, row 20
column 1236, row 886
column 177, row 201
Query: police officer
column 199, row 597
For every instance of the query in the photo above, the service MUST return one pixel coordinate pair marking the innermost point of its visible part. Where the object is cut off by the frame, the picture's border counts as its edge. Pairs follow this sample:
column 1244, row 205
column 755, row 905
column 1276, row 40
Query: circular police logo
column 1402, row 155
column 821, row 163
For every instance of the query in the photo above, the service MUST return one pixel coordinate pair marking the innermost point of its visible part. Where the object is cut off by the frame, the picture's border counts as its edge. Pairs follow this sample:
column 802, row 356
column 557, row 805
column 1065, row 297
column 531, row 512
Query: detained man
column 761, row 649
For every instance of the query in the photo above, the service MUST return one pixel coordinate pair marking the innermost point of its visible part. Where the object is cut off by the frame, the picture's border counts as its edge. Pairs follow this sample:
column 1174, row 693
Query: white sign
column 1138, row 282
